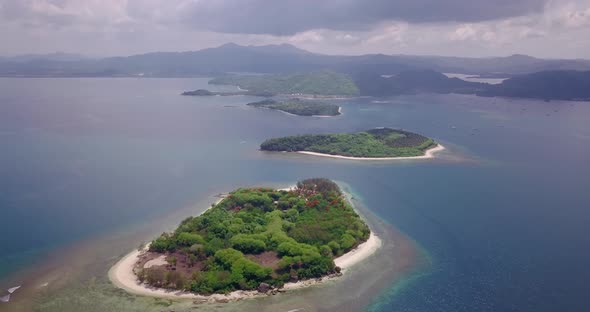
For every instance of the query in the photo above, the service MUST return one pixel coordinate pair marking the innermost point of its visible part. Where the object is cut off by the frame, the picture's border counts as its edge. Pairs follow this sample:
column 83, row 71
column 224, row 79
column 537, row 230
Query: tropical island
column 204, row 92
column 253, row 241
column 378, row 143
column 300, row 107
column 323, row 83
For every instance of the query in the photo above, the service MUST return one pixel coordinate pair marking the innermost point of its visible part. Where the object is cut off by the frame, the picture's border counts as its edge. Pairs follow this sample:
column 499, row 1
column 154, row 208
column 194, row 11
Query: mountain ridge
column 281, row 58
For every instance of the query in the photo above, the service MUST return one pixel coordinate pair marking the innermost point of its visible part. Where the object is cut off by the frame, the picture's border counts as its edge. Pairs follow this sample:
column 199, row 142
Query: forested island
column 256, row 239
column 204, row 92
column 374, row 143
column 300, row 107
column 323, row 83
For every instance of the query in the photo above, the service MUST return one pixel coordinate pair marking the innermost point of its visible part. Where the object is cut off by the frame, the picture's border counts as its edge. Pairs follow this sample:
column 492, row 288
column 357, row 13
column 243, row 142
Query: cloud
column 546, row 28
column 463, row 32
column 572, row 15
column 288, row 17
column 64, row 13
column 307, row 37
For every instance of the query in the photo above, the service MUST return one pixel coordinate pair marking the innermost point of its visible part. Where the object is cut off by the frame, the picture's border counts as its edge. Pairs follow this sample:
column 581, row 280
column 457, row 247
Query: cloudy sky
column 543, row 28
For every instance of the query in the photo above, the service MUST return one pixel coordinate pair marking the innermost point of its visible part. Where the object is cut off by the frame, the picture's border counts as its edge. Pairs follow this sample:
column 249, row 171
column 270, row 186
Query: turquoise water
column 502, row 215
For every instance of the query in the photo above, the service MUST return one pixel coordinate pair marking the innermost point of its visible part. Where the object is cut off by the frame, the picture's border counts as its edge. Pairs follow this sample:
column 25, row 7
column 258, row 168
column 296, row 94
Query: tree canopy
column 300, row 107
column 379, row 142
column 258, row 236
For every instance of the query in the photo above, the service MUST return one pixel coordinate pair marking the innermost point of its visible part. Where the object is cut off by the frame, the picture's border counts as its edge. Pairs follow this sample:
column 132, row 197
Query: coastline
column 122, row 276
column 427, row 155
column 328, row 116
column 291, row 114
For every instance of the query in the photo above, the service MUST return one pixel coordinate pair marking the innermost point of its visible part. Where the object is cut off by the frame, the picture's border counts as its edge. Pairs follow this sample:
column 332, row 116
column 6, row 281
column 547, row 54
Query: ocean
column 91, row 168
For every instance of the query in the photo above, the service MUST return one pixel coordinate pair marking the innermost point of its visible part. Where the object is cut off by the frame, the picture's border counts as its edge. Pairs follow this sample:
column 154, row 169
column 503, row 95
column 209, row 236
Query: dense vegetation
column 380, row 142
column 300, row 107
column 260, row 235
column 321, row 83
column 199, row 92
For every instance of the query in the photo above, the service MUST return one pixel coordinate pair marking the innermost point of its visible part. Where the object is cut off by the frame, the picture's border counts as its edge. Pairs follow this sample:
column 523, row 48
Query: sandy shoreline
column 122, row 276
column 429, row 154
column 291, row 114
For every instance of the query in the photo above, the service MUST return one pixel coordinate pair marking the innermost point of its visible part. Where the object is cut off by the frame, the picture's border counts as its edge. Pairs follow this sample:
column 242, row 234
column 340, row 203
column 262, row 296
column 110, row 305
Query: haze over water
column 501, row 217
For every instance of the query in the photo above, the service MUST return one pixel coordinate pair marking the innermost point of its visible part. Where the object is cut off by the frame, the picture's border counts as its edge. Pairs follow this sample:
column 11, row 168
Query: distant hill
column 500, row 66
column 206, row 62
column 413, row 82
column 57, row 56
column 316, row 83
column 548, row 85
column 282, row 58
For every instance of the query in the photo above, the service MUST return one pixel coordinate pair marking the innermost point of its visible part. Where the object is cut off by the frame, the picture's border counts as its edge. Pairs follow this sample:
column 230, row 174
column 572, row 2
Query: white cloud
column 311, row 36
column 464, row 32
column 121, row 27
column 572, row 15
column 389, row 34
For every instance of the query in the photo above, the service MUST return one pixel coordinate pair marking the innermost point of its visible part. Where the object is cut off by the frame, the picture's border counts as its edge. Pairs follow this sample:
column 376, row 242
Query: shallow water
column 92, row 167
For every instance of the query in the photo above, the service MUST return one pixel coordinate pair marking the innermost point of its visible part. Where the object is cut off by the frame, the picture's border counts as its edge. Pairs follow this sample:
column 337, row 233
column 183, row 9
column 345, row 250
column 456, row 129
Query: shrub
column 347, row 241
column 306, row 228
column 247, row 244
column 189, row 239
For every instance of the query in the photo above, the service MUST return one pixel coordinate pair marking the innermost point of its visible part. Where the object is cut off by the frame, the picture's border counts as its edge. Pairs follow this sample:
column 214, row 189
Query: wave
column 5, row 298
column 13, row 289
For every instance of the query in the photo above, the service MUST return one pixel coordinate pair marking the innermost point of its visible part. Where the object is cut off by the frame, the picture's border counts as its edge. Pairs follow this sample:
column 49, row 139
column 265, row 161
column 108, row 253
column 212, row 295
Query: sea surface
column 91, row 168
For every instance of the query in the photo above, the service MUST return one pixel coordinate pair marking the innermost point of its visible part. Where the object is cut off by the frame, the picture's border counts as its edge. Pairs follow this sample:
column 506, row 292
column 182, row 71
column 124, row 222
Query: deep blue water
column 503, row 215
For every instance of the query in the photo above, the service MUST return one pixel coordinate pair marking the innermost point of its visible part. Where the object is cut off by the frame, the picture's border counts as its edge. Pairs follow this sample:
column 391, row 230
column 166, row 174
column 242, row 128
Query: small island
column 378, row 143
column 204, row 92
column 300, row 107
column 254, row 241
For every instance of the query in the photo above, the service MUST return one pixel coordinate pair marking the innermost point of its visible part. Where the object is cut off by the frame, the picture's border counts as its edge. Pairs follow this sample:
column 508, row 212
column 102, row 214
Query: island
column 254, row 241
column 378, row 143
column 317, row 84
column 300, row 107
column 204, row 92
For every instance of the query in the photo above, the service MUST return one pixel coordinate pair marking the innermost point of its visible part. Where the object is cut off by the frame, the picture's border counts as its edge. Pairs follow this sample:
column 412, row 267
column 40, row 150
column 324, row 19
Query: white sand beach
column 427, row 155
column 349, row 259
column 122, row 276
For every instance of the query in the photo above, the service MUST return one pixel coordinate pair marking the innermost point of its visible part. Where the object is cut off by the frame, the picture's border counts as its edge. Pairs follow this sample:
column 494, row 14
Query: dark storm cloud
column 291, row 16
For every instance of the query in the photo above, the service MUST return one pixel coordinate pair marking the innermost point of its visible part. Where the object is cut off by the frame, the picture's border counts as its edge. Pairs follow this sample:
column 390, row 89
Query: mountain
column 226, row 58
column 282, row 58
column 500, row 66
column 413, row 82
column 548, row 85
column 57, row 56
